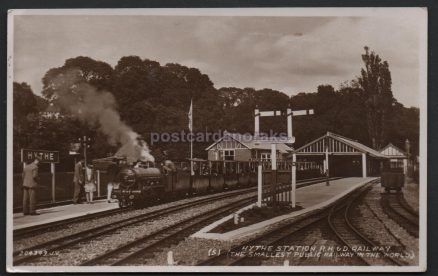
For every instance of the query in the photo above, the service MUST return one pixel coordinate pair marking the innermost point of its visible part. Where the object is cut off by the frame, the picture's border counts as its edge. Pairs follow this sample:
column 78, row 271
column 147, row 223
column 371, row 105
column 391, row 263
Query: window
column 265, row 156
column 228, row 154
column 396, row 163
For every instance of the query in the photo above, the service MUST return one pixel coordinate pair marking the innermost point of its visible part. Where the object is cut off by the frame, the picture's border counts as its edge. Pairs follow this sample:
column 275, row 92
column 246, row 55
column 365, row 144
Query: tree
column 375, row 80
column 79, row 80
column 24, row 101
column 26, row 105
column 76, row 71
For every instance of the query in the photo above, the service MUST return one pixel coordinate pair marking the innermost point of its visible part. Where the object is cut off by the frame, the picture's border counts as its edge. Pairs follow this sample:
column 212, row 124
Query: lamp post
column 85, row 143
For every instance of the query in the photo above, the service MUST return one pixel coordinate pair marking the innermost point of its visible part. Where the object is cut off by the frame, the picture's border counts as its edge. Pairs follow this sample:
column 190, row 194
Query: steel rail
column 136, row 249
column 270, row 238
column 391, row 204
column 96, row 232
column 341, row 225
column 99, row 231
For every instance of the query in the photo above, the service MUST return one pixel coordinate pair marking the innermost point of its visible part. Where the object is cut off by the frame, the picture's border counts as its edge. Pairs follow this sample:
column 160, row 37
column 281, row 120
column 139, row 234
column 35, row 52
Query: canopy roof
column 336, row 144
column 393, row 152
column 252, row 142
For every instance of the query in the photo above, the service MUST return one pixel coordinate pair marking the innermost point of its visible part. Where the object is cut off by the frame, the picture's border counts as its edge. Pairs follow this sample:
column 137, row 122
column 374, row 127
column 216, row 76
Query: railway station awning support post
column 294, row 180
column 405, row 166
column 364, row 165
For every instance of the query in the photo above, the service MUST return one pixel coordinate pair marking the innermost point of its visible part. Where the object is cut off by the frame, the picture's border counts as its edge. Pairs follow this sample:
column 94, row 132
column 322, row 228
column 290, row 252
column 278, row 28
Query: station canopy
column 337, row 145
column 393, row 152
column 237, row 140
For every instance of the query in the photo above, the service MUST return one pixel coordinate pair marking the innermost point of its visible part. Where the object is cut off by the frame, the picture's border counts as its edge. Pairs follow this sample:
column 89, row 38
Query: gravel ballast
column 73, row 228
column 398, row 233
column 85, row 251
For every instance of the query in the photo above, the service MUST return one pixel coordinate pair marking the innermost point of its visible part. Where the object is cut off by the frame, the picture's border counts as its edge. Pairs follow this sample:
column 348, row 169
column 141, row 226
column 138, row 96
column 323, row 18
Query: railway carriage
column 146, row 185
column 393, row 179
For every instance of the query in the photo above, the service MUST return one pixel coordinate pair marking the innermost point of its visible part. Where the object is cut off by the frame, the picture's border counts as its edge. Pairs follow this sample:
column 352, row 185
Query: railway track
column 272, row 238
column 38, row 229
column 396, row 208
column 137, row 251
column 106, row 229
column 97, row 232
column 28, row 232
column 342, row 226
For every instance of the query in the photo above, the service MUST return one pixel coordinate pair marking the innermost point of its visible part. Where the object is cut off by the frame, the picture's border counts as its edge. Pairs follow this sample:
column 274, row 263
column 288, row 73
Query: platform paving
column 316, row 194
column 63, row 212
column 311, row 198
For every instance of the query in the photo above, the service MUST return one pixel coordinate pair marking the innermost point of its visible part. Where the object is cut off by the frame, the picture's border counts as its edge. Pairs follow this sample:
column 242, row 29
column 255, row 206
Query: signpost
column 28, row 155
column 273, row 142
column 45, row 156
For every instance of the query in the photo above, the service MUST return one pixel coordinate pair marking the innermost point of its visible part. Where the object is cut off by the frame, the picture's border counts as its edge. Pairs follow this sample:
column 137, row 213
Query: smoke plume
column 89, row 105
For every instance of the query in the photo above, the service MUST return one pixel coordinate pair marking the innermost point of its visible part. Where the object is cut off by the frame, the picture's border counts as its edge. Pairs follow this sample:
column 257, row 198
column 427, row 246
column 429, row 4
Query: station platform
column 64, row 212
column 311, row 198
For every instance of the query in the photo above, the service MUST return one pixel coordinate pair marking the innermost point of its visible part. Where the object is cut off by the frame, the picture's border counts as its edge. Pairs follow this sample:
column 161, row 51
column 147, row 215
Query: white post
column 98, row 183
column 405, row 166
column 289, row 123
column 286, row 263
column 274, row 172
column 170, row 260
column 52, row 170
column 256, row 122
column 259, row 186
column 191, row 154
column 327, row 164
column 294, row 180
column 274, row 156
column 236, row 218
column 364, row 165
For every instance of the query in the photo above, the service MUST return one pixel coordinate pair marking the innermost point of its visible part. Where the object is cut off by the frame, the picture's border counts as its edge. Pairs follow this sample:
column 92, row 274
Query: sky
column 291, row 54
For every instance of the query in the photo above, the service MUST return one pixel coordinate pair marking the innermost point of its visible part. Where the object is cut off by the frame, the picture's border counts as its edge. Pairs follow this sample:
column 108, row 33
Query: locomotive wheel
column 124, row 204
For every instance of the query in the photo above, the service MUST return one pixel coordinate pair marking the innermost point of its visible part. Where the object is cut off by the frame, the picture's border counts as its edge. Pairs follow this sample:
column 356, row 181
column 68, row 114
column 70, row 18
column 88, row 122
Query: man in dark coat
column 78, row 180
column 30, row 182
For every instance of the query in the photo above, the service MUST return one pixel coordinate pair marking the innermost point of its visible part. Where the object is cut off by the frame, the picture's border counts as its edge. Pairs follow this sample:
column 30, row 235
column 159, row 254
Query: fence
column 64, row 187
column 208, row 175
column 281, row 192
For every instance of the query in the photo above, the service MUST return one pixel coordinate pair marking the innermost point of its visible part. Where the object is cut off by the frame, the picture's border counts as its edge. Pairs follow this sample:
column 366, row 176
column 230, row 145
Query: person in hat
column 30, row 182
column 90, row 185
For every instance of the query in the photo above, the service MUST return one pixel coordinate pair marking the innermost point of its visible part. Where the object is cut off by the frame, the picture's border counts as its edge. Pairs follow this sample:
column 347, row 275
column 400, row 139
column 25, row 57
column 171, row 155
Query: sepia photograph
column 217, row 140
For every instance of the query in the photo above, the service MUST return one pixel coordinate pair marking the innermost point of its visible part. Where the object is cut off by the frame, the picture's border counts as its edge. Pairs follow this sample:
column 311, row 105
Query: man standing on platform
column 30, row 182
column 78, row 180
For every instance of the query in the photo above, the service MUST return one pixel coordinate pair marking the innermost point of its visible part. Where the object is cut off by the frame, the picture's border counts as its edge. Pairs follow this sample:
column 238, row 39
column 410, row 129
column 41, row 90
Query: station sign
column 28, row 155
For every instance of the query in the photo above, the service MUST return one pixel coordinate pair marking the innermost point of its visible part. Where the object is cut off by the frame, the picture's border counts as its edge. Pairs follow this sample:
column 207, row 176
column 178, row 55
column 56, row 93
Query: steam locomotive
column 138, row 186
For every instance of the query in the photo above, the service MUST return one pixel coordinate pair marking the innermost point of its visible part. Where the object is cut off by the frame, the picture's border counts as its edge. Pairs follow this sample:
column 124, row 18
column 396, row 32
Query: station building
column 239, row 147
column 397, row 157
column 341, row 156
